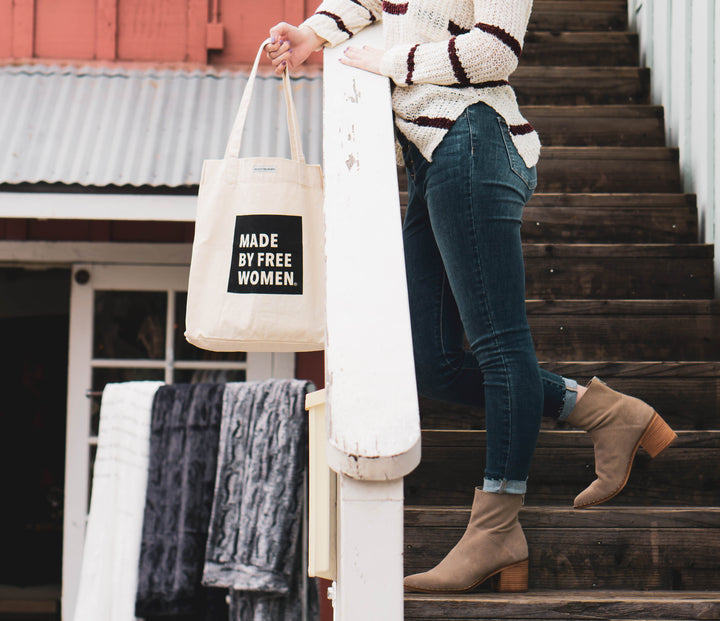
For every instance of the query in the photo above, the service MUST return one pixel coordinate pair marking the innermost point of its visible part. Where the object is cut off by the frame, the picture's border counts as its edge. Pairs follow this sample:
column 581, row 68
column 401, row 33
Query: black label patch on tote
column 267, row 255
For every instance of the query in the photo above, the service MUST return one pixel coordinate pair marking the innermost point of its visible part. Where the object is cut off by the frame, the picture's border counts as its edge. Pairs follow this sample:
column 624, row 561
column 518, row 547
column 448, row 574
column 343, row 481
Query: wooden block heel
column 657, row 437
column 512, row 579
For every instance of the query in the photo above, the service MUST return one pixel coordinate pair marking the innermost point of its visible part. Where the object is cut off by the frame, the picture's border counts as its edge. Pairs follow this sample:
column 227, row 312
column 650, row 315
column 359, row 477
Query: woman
column 470, row 157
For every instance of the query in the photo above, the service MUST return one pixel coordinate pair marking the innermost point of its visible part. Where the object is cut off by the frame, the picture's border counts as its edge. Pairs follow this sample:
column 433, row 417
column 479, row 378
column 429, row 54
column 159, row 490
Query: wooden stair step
column 619, row 271
column 31, row 602
column 603, row 218
column 615, row 125
column 612, row 49
column 687, row 394
column 602, row 548
column 581, row 85
column 620, row 330
column 453, row 464
column 559, row 15
column 609, row 169
column 566, row 605
column 617, row 218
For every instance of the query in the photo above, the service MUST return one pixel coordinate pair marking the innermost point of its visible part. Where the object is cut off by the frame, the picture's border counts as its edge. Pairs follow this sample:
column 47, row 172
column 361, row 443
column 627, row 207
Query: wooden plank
column 152, row 31
column 598, row 557
column 687, row 394
column 615, row 125
column 106, row 37
column 621, row 225
column 618, row 218
column 605, row 218
column 640, row 518
column 609, row 169
column 563, row 465
column 15, row 228
column 638, row 308
column 630, row 337
column 581, row 85
column 567, row 605
column 65, row 29
column 559, row 15
column 29, row 609
column 612, row 49
column 197, row 31
column 620, row 277
column 23, row 29
column 6, row 28
column 626, row 251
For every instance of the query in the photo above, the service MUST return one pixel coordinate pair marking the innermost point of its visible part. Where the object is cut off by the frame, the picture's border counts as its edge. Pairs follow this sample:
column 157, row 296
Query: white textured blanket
column 108, row 579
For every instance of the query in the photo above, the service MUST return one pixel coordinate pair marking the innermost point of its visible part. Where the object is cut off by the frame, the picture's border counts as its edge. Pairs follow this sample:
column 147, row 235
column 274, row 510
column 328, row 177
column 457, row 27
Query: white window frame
column 105, row 277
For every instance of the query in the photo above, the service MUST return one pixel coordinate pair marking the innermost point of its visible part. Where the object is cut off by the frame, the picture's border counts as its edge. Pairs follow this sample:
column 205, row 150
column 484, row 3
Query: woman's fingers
column 282, row 57
column 281, row 31
column 274, row 50
column 366, row 58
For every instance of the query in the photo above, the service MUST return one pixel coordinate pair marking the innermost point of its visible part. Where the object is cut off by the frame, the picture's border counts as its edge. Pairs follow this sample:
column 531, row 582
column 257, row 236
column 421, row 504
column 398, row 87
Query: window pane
column 130, row 324
column 100, row 377
column 183, row 349
column 195, row 376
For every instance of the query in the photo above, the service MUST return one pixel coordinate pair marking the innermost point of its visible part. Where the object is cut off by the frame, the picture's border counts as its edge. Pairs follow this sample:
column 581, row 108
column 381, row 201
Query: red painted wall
column 6, row 28
column 141, row 30
column 64, row 28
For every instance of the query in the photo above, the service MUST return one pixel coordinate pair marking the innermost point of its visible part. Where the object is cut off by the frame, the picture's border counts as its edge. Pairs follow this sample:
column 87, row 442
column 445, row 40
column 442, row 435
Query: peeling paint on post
column 371, row 406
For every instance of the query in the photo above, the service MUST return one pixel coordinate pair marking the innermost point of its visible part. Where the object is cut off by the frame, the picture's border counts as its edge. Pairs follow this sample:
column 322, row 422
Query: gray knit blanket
column 253, row 544
column 184, row 440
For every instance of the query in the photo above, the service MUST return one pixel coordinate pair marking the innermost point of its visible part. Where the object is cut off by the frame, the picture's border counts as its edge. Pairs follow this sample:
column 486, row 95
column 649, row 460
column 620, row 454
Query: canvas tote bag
column 257, row 273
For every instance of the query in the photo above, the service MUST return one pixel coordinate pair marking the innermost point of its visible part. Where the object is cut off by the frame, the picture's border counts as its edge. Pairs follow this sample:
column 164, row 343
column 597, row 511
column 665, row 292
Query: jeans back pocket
column 517, row 164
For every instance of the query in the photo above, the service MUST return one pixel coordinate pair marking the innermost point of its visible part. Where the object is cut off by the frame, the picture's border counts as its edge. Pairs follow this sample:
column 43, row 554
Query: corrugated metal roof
column 116, row 126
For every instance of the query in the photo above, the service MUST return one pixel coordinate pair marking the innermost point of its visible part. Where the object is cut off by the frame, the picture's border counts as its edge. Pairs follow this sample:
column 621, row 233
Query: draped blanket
column 108, row 578
column 253, row 545
column 183, row 459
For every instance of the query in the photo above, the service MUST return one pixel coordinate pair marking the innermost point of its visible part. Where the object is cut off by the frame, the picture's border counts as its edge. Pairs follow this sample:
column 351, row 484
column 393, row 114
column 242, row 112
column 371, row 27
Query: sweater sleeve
column 338, row 20
column 489, row 51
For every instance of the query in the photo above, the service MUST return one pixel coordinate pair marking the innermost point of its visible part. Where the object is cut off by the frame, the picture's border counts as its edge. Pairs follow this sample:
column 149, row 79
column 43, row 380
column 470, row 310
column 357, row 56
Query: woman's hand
column 291, row 46
column 366, row 58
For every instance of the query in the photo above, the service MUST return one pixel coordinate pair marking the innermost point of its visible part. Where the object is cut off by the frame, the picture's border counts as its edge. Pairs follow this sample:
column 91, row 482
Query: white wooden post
column 370, row 546
column 371, row 397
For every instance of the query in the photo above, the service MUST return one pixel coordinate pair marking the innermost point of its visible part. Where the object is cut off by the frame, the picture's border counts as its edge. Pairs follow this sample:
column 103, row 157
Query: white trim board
column 73, row 206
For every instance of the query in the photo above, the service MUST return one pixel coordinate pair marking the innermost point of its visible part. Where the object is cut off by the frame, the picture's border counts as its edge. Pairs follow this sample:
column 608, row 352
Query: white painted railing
column 371, row 400
column 680, row 42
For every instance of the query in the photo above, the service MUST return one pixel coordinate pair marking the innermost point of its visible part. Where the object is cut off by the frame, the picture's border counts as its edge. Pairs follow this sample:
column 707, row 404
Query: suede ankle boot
column 493, row 546
column 618, row 425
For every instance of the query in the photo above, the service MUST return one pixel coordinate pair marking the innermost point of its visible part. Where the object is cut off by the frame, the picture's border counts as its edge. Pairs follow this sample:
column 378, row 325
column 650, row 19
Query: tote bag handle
column 233, row 145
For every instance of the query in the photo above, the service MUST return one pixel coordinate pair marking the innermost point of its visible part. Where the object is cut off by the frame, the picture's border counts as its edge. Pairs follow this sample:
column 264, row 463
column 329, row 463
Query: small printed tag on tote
column 267, row 255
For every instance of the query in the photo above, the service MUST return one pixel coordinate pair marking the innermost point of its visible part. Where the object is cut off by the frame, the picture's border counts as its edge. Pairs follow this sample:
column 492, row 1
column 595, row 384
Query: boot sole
column 510, row 579
column 658, row 435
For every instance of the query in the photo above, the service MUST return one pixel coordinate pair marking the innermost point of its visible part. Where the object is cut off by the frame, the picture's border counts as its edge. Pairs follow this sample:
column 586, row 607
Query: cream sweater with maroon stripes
column 444, row 55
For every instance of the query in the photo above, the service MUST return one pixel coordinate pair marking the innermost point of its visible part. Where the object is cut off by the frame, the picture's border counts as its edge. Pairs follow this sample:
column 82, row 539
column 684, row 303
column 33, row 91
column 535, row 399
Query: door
column 126, row 324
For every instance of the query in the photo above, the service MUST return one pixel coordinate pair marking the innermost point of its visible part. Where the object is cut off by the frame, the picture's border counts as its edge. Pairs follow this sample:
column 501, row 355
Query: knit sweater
column 443, row 55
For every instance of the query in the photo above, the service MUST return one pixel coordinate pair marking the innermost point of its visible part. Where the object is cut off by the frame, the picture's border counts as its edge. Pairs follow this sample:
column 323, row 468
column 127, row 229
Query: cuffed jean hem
column 503, row 486
column 571, row 390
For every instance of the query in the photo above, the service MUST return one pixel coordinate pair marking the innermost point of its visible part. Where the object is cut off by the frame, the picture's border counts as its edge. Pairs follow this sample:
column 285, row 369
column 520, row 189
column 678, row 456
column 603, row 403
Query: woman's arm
column 489, row 51
column 338, row 20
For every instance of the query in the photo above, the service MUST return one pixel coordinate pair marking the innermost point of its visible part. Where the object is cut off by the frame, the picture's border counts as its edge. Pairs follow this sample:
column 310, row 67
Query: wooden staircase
column 618, row 287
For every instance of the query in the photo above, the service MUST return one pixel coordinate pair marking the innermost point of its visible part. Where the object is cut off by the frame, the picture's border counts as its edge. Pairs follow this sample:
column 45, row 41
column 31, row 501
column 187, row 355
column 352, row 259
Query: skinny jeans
column 466, row 276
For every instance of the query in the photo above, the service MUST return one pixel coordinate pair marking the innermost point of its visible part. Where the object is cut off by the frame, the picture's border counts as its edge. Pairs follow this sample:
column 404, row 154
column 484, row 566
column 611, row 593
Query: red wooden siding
column 6, row 28
column 76, row 37
column 141, row 30
column 154, row 30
